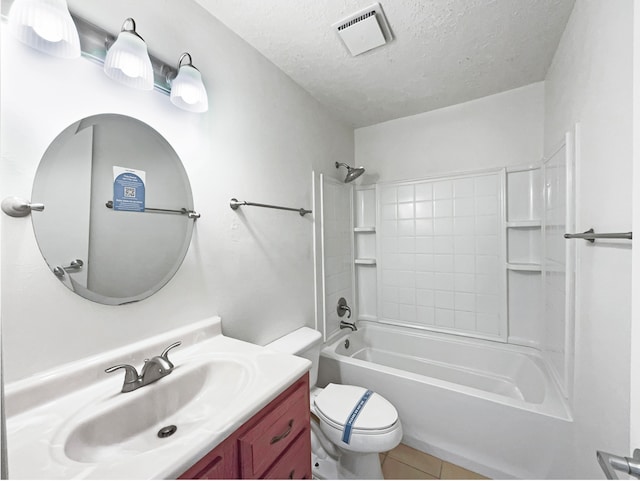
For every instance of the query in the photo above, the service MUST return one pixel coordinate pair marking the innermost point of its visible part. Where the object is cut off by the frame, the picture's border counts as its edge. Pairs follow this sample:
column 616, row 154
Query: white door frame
column 634, row 414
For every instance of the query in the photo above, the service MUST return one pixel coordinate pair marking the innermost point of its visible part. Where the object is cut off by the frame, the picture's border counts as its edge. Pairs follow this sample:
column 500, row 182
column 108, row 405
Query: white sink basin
column 127, row 424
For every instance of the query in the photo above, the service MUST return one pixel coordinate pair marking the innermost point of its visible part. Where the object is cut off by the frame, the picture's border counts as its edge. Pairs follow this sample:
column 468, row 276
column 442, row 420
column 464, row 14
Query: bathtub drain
column 167, row 431
column 346, row 344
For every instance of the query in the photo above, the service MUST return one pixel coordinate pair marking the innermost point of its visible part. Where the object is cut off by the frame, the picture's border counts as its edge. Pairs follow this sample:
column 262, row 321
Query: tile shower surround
column 440, row 254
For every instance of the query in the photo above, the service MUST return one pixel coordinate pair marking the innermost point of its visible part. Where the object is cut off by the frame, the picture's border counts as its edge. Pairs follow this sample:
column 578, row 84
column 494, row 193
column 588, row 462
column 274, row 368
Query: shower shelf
column 365, row 262
column 524, row 223
column 524, row 266
column 367, row 229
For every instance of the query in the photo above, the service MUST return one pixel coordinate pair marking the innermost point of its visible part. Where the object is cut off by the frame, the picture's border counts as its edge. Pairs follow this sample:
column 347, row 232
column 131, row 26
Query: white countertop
column 43, row 409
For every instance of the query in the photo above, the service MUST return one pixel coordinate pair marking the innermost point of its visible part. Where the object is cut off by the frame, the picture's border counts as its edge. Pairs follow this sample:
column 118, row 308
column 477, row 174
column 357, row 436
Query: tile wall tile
column 444, row 281
column 444, row 318
column 405, row 193
column 463, row 188
column 443, row 189
column 423, row 191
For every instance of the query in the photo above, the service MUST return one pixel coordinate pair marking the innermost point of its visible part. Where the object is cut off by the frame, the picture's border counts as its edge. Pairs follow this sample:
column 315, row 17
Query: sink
column 118, row 424
column 72, row 422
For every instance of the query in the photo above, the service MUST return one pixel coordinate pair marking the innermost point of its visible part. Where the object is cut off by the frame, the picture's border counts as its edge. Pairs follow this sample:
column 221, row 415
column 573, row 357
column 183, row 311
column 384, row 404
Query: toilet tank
column 304, row 342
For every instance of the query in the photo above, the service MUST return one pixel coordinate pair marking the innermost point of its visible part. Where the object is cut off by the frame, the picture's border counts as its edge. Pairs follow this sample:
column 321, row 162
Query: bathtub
column 490, row 407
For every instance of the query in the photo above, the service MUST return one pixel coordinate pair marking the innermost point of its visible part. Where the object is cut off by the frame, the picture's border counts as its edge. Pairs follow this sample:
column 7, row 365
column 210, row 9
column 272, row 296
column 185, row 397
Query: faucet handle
column 343, row 307
column 166, row 351
column 130, row 375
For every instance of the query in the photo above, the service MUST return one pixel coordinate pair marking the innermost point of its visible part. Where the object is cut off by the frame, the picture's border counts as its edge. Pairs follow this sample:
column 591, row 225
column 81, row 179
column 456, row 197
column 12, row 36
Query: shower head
column 352, row 172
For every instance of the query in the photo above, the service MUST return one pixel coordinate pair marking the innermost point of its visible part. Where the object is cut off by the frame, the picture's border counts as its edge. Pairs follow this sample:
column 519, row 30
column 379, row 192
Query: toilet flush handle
column 343, row 307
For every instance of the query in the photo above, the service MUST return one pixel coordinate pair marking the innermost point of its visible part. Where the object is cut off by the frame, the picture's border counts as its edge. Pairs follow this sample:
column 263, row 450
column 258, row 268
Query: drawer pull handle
column 280, row 437
column 292, row 473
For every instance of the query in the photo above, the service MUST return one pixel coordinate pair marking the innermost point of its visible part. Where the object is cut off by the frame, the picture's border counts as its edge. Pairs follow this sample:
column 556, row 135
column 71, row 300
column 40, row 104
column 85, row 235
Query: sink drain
column 167, row 431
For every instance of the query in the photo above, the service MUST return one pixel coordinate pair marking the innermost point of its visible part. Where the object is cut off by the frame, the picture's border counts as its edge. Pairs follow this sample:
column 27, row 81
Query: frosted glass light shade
column 45, row 25
column 128, row 61
column 187, row 90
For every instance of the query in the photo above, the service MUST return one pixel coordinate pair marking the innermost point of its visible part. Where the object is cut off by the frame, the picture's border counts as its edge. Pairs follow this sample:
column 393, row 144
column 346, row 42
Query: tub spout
column 348, row 325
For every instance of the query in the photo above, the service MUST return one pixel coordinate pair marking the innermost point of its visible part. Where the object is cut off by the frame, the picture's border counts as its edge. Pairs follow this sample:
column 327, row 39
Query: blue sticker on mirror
column 128, row 189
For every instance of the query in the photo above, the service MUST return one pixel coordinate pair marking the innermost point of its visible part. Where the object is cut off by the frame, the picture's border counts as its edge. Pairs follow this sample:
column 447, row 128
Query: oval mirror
column 118, row 213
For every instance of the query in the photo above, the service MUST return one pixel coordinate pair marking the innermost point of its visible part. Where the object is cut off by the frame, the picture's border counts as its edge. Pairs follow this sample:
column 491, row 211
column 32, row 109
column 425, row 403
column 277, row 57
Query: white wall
column 494, row 131
column 590, row 82
column 260, row 141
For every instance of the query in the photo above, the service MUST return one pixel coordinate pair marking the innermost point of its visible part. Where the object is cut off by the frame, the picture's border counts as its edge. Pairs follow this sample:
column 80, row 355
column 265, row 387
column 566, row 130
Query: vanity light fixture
column 128, row 61
column 45, row 25
column 187, row 89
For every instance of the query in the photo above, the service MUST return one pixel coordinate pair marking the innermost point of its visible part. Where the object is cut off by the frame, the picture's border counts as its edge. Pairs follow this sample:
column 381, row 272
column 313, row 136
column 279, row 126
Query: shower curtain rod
column 591, row 236
column 235, row 203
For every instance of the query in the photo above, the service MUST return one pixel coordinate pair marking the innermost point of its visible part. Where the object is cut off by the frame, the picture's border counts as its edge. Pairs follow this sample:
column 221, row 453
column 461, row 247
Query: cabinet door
column 261, row 445
column 295, row 463
column 276, row 439
column 218, row 464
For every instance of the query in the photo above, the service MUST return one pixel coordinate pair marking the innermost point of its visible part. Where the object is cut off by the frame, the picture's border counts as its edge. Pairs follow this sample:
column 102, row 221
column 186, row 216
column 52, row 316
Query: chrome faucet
column 348, row 325
column 155, row 368
column 341, row 310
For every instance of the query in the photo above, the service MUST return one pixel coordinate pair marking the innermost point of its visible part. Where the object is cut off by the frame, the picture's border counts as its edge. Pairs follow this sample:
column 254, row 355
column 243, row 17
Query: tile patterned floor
column 404, row 462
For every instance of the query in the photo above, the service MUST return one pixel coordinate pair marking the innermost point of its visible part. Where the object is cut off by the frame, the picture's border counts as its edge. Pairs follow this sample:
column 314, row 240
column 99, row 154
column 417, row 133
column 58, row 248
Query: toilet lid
column 336, row 403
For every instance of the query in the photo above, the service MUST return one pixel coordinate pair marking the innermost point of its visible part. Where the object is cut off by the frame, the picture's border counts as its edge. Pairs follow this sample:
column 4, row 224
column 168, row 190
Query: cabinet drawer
column 295, row 463
column 261, row 445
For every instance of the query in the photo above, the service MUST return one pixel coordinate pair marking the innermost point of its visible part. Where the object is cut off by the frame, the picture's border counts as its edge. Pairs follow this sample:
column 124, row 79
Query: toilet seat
column 376, row 428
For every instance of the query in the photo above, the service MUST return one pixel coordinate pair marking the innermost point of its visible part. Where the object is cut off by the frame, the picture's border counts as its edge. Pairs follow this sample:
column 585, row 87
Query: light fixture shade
column 128, row 61
column 45, row 25
column 187, row 90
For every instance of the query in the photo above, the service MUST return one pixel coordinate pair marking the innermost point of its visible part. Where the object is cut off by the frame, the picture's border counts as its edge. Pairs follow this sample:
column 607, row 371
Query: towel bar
column 235, row 203
column 590, row 236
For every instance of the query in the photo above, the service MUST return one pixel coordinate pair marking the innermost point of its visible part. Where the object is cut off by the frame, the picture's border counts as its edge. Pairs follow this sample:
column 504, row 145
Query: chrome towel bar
column 610, row 463
column 189, row 213
column 591, row 236
column 235, row 203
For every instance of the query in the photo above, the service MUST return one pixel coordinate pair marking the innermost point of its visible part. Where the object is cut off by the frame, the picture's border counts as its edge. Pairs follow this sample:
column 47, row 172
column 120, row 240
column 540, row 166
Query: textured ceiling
column 444, row 51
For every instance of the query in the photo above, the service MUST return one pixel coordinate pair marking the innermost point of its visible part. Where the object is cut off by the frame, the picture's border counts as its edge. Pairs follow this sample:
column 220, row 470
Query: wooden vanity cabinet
column 273, row 444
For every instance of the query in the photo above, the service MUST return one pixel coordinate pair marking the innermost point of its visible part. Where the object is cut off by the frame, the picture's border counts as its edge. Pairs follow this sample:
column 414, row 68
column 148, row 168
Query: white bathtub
column 490, row 407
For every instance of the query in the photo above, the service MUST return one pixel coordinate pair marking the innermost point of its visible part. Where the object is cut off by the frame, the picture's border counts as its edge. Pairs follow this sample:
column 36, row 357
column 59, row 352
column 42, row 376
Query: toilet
column 353, row 423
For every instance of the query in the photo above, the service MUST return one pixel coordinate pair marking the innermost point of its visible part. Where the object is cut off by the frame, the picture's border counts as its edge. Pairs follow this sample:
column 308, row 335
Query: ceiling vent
column 364, row 30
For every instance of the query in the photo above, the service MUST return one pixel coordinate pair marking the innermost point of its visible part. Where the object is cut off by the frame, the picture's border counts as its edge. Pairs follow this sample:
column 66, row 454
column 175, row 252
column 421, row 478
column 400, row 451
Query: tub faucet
column 155, row 368
column 348, row 325
column 343, row 307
